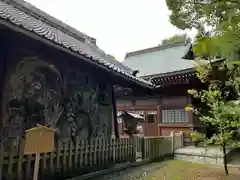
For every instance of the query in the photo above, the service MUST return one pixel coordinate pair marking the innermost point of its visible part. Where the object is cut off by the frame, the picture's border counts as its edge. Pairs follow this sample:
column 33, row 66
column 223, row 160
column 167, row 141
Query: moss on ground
column 182, row 170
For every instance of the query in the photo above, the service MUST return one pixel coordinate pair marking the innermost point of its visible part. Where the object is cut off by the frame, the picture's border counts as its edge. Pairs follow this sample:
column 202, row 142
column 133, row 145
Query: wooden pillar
column 159, row 114
column 4, row 49
column 133, row 104
column 115, row 114
column 159, row 119
column 145, row 124
column 159, row 110
column 190, row 113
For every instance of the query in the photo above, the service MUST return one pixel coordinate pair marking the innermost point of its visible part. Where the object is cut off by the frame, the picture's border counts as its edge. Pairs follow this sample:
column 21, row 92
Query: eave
column 10, row 18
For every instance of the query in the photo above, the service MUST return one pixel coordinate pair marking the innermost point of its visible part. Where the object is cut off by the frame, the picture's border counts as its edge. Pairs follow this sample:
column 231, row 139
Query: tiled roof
column 160, row 59
column 111, row 59
column 28, row 17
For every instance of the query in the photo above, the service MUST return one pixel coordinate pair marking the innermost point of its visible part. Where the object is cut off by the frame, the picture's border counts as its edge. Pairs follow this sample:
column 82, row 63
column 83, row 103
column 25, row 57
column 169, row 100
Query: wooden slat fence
column 67, row 160
column 178, row 140
column 157, row 146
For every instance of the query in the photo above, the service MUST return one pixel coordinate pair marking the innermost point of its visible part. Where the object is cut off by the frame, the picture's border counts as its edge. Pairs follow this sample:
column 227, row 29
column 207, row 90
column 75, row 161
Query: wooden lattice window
column 174, row 116
column 151, row 116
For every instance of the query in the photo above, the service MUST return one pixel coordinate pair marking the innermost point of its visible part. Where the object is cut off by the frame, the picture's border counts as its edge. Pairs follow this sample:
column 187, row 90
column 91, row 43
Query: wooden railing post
column 138, row 146
column 114, row 150
column 76, row 155
column 182, row 139
column 58, row 155
column 65, row 154
column 95, row 149
column 134, row 149
column 173, row 141
column 20, row 159
column 143, row 147
column 11, row 154
column 81, row 150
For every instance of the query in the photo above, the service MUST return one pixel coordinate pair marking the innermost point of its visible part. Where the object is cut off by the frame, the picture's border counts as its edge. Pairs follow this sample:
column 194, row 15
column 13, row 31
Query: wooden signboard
column 39, row 140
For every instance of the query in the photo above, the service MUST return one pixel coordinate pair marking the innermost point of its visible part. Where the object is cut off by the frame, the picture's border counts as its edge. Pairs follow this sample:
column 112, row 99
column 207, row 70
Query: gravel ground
column 136, row 173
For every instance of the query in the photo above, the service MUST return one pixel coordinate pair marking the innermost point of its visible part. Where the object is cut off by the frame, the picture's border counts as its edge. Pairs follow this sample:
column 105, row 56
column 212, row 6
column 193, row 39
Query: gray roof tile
column 26, row 16
column 160, row 59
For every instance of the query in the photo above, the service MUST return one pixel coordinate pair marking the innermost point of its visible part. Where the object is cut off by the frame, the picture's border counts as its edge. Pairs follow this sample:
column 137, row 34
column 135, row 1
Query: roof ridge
column 108, row 55
column 156, row 48
column 45, row 17
column 177, row 72
column 34, row 11
column 10, row 11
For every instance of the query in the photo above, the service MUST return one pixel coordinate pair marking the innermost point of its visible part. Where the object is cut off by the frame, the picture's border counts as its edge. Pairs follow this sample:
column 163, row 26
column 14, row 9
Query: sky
column 120, row 26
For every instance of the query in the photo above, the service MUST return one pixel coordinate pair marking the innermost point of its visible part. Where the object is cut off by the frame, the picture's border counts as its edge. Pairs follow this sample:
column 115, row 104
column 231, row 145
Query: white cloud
column 119, row 26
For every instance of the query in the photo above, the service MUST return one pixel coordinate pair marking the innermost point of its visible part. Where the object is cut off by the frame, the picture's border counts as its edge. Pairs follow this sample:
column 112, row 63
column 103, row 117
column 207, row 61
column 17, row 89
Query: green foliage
column 176, row 38
column 223, row 114
column 217, row 22
column 199, row 14
column 226, row 119
column 197, row 137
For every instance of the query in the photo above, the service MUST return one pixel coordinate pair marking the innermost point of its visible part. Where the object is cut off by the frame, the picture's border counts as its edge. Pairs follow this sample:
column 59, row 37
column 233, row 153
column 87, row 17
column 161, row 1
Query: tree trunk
column 225, row 159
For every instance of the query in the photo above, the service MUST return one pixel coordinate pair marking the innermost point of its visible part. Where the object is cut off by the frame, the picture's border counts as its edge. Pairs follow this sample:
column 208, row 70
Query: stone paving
column 136, row 173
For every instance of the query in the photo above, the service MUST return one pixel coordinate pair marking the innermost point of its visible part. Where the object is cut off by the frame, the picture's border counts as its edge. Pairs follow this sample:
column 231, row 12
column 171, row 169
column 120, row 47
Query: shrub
column 197, row 137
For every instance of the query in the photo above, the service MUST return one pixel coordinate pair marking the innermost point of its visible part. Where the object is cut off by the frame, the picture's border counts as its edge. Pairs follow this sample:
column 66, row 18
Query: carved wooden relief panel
column 69, row 100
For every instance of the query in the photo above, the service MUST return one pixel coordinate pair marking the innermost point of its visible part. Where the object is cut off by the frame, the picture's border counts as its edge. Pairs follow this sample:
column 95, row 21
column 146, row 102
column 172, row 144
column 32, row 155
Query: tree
column 176, row 38
column 199, row 14
column 223, row 115
column 218, row 106
column 217, row 22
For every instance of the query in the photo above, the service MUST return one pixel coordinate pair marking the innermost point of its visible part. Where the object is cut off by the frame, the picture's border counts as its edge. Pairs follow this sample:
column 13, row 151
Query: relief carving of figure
column 79, row 104
column 83, row 108
column 33, row 97
column 74, row 105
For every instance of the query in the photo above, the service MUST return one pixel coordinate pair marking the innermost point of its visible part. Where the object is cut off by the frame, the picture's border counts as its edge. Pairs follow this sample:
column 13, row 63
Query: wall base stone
column 199, row 159
column 201, row 155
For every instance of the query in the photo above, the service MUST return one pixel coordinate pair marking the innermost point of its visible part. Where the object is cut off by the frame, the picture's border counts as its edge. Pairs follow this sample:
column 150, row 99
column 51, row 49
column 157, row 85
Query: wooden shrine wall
column 174, row 97
column 45, row 86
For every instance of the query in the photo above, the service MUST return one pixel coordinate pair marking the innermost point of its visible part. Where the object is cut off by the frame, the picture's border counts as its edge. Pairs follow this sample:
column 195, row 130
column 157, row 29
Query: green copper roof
column 159, row 59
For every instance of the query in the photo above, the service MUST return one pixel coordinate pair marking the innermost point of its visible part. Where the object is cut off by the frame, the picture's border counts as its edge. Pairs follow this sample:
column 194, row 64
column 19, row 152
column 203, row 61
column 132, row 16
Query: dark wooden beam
column 118, row 78
column 4, row 51
column 115, row 113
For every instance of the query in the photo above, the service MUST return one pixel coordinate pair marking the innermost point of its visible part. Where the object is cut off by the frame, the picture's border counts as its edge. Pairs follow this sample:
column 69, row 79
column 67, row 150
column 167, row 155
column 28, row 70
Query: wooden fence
column 158, row 146
column 70, row 160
